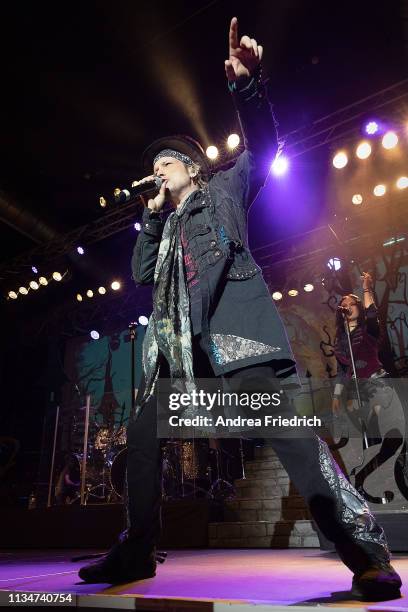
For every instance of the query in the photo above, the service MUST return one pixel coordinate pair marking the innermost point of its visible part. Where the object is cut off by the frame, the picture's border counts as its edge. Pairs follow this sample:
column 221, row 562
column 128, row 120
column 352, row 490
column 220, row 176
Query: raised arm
column 243, row 70
column 372, row 323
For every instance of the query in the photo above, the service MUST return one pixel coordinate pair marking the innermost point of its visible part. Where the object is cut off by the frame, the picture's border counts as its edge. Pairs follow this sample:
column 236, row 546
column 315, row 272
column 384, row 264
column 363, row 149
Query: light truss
column 336, row 126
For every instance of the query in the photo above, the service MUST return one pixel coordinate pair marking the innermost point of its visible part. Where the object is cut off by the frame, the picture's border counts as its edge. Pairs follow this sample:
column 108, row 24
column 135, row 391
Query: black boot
column 377, row 583
column 125, row 562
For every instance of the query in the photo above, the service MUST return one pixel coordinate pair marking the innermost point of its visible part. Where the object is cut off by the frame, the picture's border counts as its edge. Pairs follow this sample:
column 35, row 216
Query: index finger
column 233, row 33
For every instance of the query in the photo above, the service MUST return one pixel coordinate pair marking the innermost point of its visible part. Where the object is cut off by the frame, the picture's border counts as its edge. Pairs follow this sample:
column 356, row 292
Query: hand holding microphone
column 344, row 310
column 121, row 196
column 155, row 204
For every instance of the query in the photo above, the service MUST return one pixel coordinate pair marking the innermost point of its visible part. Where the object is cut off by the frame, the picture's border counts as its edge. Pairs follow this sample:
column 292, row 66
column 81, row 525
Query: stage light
column 43, row 281
column 102, row 290
column 79, row 297
column 89, row 293
column 138, row 226
column 102, row 202
column 280, row 165
column 340, row 160
column 357, row 199
column 57, row 276
column 34, row 269
column 293, row 292
column 277, row 295
column 363, row 150
column 12, row 295
column 402, row 182
column 379, row 190
column 116, row 285
column 212, row 152
column 308, row 287
column 34, row 285
column 233, row 141
column 80, row 250
column 94, row 335
column 371, row 127
column 389, row 140
column 143, row 320
column 23, row 290
column 334, row 263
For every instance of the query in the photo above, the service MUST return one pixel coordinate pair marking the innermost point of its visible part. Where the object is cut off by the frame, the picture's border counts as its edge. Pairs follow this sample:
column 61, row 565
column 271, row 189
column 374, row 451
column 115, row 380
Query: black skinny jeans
column 338, row 510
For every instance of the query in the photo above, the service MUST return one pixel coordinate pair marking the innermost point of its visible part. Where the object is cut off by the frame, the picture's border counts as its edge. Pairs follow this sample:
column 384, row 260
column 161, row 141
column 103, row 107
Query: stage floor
column 203, row 580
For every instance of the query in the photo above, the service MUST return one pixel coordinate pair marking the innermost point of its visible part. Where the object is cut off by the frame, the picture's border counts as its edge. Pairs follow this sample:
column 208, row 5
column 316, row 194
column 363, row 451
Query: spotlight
column 102, row 290
column 379, row 190
column 340, row 160
column 280, row 165
column 143, row 320
column 79, row 297
column 277, row 295
column 138, row 226
column 212, row 152
column 402, row 182
column 12, row 295
column 389, row 140
column 371, row 127
column 363, row 150
column 233, row 141
column 334, row 263
column 102, row 202
column 89, row 293
column 43, row 281
column 57, row 276
column 116, row 285
column 293, row 292
column 94, row 335
column 23, row 290
column 357, row 199
column 34, row 269
column 308, row 287
column 34, row 285
column 80, row 250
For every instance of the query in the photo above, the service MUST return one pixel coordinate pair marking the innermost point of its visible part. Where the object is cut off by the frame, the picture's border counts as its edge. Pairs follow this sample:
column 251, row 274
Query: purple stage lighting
column 371, row 128
column 280, row 165
column 34, row 269
column 95, row 335
column 80, row 250
column 138, row 226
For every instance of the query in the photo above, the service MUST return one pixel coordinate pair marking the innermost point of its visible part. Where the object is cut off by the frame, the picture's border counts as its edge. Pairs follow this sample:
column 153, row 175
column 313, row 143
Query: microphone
column 124, row 195
column 344, row 310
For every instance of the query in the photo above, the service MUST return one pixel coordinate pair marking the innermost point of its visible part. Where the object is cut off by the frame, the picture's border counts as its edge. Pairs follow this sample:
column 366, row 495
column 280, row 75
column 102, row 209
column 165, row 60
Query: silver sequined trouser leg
column 340, row 512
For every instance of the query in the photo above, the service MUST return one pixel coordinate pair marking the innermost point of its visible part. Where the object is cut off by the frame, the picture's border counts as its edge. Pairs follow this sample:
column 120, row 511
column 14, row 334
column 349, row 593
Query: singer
column 361, row 319
column 213, row 316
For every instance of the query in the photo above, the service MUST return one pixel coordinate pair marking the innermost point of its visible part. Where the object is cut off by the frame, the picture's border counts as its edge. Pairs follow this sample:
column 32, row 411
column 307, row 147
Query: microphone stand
column 353, row 365
column 132, row 332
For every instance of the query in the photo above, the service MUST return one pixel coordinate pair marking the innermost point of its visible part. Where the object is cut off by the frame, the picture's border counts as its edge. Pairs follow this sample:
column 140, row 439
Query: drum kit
column 102, row 466
column 189, row 468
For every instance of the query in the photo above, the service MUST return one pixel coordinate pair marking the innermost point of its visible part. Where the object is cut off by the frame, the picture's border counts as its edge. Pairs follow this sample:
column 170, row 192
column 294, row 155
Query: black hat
column 182, row 144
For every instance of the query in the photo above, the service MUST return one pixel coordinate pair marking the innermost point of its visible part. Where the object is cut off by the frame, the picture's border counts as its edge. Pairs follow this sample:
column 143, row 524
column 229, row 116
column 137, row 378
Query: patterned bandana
column 171, row 153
